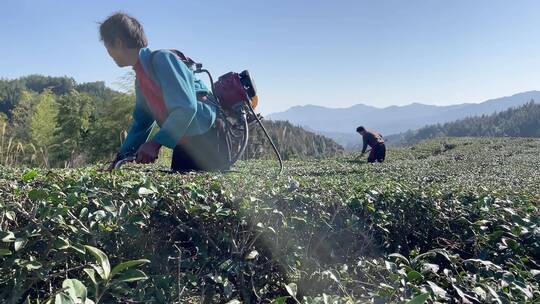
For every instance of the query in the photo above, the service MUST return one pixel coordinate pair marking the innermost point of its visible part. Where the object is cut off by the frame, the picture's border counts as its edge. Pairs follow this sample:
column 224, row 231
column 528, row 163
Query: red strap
column 152, row 93
column 154, row 97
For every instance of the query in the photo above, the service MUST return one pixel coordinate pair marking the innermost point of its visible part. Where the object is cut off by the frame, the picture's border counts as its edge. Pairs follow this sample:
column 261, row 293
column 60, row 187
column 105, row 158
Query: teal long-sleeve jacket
column 185, row 115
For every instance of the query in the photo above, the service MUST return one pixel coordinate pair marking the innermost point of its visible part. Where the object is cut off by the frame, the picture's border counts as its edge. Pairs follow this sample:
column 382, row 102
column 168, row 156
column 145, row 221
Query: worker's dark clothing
column 378, row 153
column 376, row 142
column 205, row 152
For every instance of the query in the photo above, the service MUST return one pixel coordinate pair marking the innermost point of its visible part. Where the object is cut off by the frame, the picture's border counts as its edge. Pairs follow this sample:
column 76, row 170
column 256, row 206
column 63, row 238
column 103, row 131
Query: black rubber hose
column 213, row 100
column 267, row 136
column 245, row 141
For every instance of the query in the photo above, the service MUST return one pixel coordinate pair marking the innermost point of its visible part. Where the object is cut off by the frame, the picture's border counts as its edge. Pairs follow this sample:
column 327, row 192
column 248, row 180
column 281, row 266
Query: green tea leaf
column 414, row 276
column 7, row 236
column 75, row 289
column 62, row 298
column 102, row 259
column 419, row 299
column 280, row 300
column 33, row 265
column 91, row 274
column 20, row 243
column 130, row 275
column 292, row 289
column 145, row 191
column 399, row 257
column 422, row 256
column 37, row 194
column 10, row 215
column 29, row 175
column 438, row 291
column 125, row 265
column 392, row 267
column 252, row 255
column 77, row 247
column 61, row 243
column 429, row 267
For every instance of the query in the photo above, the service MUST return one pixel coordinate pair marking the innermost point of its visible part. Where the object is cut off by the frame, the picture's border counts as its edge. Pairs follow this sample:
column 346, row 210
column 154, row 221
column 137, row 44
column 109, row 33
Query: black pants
column 378, row 153
column 205, row 152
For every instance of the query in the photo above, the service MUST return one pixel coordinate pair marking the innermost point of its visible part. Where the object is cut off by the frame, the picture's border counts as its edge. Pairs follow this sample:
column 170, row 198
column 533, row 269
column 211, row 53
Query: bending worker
column 375, row 141
column 167, row 94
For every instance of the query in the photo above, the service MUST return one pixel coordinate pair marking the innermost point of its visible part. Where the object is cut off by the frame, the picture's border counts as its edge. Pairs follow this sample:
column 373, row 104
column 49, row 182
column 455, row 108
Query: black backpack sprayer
column 235, row 97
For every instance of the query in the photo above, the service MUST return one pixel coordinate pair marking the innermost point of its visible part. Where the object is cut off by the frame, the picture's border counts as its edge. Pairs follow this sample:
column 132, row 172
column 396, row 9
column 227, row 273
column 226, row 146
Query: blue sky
column 330, row 53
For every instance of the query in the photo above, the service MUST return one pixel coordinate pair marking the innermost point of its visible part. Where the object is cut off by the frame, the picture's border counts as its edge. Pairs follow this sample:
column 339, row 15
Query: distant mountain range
column 340, row 123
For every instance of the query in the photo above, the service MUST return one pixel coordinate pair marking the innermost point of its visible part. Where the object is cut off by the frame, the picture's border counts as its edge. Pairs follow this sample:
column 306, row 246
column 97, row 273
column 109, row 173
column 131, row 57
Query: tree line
column 291, row 141
column 522, row 121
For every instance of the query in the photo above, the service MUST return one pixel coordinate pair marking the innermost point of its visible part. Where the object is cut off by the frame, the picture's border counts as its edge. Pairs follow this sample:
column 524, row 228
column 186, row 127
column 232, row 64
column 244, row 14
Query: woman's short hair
column 124, row 27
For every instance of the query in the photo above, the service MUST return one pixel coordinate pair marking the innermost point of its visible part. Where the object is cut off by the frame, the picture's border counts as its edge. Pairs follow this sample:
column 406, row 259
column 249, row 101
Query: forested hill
column 292, row 142
column 54, row 121
column 522, row 121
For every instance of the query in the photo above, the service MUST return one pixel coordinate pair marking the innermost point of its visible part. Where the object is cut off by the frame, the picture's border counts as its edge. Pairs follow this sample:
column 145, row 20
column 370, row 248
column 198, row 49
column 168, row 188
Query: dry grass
column 15, row 153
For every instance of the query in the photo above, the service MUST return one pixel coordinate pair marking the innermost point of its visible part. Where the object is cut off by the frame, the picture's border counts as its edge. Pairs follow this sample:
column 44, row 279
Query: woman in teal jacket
column 166, row 95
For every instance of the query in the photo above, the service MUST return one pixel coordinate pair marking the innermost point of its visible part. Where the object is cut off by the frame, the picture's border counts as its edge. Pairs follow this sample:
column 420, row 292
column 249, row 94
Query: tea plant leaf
column 62, row 243
column 292, row 289
column 62, row 298
column 10, row 215
column 37, row 195
column 280, row 300
column 102, row 259
column 438, row 291
column 125, row 265
column 145, row 191
column 399, row 257
column 130, row 275
column 414, row 276
column 252, row 255
column 75, row 289
column 7, row 237
column 419, row 299
column 20, row 243
column 91, row 274
column 31, row 174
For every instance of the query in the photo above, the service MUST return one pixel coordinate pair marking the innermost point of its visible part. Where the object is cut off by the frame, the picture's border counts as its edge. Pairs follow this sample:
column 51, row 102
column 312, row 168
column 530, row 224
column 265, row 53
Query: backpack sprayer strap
column 190, row 63
column 193, row 66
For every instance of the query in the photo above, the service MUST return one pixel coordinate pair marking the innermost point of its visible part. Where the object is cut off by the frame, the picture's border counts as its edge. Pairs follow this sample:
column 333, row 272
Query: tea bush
column 446, row 221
